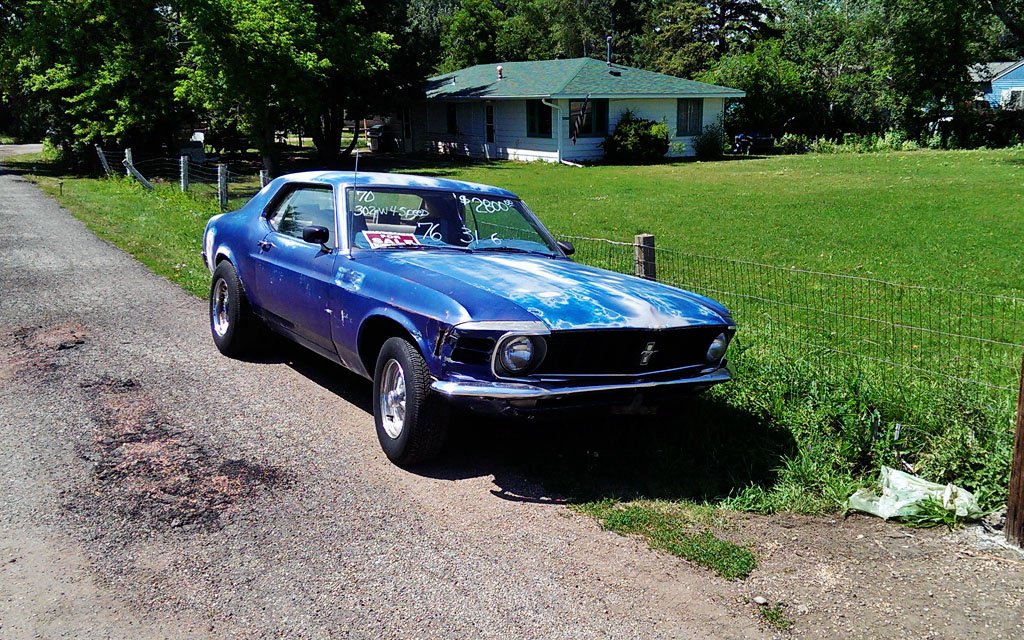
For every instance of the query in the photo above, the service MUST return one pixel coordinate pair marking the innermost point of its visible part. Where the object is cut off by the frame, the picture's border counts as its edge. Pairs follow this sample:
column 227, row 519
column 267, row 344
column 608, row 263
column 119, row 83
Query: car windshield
column 401, row 218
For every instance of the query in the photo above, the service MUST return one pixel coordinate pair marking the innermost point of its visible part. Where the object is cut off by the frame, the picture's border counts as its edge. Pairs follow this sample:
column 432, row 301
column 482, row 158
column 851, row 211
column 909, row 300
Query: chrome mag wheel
column 392, row 399
column 220, row 308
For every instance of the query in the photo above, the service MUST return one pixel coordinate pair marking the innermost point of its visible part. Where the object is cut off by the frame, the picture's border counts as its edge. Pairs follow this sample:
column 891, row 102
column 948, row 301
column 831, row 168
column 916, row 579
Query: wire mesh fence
column 202, row 179
column 910, row 334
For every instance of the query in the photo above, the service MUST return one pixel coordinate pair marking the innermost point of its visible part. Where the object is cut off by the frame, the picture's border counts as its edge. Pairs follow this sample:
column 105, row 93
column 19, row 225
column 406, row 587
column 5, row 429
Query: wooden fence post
column 222, row 185
column 264, row 178
column 103, row 160
column 183, row 164
column 1015, row 501
column 128, row 162
column 644, row 256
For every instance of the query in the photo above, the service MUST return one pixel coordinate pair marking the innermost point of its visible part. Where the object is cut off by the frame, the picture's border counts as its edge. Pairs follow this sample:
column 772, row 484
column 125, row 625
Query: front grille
column 626, row 351
column 473, row 350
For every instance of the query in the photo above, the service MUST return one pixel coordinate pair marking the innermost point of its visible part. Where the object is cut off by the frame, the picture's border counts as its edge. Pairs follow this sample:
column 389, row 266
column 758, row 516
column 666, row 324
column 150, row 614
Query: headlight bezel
column 718, row 348
column 500, row 362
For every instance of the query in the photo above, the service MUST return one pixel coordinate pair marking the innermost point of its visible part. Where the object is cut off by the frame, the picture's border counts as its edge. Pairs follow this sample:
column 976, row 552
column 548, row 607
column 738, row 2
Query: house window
column 538, row 119
column 689, row 116
column 453, row 118
column 1013, row 99
column 595, row 123
column 489, row 122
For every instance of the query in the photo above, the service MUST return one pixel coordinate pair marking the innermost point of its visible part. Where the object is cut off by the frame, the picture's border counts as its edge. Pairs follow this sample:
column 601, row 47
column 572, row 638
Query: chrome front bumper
column 522, row 391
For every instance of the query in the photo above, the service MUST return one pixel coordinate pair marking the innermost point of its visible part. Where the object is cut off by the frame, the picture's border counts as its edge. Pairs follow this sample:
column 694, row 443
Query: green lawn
column 948, row 219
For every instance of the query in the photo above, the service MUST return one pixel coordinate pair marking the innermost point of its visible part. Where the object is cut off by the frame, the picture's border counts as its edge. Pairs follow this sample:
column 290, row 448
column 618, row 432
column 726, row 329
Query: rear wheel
column 412, row 422
column 232, row 323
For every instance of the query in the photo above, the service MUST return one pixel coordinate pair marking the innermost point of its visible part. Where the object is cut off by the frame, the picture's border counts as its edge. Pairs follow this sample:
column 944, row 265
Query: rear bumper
column 512, row 391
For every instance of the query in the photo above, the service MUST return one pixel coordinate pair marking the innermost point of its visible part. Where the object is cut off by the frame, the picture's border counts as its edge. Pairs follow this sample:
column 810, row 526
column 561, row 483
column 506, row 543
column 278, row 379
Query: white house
column 528, row 110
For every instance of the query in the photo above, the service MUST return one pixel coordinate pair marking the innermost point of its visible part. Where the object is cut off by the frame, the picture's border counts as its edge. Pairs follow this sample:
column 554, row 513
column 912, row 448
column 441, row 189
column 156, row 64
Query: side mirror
column 566, row 247
column 316, row 235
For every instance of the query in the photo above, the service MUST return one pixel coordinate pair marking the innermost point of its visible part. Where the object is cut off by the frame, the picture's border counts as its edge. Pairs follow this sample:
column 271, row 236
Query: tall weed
column 847, row 422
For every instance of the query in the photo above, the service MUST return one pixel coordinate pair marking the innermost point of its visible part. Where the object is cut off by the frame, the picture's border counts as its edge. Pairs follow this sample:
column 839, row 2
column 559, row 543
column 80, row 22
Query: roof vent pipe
column 501, row 72
column 609, row 51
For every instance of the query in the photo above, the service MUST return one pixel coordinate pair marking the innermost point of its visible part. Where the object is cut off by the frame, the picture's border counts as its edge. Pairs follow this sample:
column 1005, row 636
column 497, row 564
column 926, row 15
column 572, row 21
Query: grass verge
column 671, row 528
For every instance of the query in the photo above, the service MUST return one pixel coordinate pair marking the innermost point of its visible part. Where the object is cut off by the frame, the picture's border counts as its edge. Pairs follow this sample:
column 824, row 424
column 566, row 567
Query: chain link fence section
column 910, row 333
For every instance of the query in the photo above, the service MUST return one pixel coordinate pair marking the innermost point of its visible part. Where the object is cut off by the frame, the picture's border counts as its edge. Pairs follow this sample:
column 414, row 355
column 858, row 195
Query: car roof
column 373, row 179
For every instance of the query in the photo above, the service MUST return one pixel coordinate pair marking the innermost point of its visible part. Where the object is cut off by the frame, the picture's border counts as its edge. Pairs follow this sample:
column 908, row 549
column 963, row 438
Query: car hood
column 560, row 293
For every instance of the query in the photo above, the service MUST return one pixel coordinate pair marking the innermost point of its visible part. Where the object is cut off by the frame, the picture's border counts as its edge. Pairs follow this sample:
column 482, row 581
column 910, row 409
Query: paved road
column 152, row 488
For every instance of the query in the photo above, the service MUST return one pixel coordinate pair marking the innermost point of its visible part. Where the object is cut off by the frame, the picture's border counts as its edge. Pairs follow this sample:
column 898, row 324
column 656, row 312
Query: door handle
column 264, row 245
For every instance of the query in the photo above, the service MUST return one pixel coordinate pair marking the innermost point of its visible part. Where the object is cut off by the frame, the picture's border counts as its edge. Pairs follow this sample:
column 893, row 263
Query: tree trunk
column 352, row 145
column 268, row 150
column 327, row 130
column 1013, row 23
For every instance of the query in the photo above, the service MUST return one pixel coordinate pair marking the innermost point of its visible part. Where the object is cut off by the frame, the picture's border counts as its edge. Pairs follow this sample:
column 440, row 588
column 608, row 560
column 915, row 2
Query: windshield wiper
column 506, row 249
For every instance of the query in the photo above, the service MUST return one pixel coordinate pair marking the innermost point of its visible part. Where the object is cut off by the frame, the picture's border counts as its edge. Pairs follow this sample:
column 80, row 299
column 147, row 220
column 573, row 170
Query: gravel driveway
column 153, row 488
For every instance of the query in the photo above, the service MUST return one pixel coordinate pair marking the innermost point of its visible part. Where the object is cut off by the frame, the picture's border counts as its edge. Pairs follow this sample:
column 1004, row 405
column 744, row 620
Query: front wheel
column 411, row 421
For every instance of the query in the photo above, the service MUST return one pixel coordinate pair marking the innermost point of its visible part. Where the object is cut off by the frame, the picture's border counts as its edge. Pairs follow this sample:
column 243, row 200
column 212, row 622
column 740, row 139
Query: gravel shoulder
column 153, row 488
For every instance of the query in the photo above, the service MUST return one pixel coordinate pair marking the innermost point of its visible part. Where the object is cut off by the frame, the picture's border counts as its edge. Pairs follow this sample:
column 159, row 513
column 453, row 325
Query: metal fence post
column 1015, row 500
column 644, row 256
column 103, row 160
column 133, row 172
column 128, row 162
column 264, row 177
column 222, row 185
column 183, row 163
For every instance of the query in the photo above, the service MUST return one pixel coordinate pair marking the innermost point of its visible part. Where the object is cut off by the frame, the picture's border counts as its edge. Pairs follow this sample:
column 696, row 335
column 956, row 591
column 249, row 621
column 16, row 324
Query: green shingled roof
column 567, row 79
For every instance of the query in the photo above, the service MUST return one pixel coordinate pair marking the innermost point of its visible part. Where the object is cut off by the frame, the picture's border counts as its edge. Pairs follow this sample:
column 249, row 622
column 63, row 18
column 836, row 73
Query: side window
column 303, row 207
column 538, row 119
column 689, row 116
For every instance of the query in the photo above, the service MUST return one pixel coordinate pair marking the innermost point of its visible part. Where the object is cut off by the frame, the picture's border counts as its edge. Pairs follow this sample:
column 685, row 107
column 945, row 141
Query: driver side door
column 293, row 277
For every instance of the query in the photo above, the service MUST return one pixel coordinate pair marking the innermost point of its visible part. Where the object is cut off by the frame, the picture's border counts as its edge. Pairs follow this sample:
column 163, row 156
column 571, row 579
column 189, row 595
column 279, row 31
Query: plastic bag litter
column 901, row 492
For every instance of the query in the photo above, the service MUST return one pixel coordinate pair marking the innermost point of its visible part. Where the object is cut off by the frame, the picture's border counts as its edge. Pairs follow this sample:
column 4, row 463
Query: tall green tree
column 736, row 25
column 1011, row 14
column 775, row 88
column 425, row 23
column 678, row 42
column 92, row 70
column 525, row 33
column 277, row 63
column 932, row 44
column 470, row 36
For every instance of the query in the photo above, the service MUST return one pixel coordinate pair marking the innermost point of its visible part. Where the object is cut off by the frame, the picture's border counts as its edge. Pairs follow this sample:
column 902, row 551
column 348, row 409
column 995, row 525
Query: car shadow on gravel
column 699, row 449
column 696, row 448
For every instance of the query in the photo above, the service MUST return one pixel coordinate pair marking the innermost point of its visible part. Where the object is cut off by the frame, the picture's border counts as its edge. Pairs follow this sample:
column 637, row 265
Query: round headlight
column 515, row 355
column 717, row 349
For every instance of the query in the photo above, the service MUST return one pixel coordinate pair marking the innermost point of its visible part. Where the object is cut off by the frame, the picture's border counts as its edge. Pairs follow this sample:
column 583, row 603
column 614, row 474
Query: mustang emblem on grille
column 645, row 355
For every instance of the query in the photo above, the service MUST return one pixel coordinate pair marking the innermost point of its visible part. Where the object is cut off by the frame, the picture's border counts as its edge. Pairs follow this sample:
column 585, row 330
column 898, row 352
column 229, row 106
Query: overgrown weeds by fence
column 861, row 371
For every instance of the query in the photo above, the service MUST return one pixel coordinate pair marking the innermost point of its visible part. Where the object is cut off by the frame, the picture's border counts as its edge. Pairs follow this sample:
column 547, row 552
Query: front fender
column 423, row 331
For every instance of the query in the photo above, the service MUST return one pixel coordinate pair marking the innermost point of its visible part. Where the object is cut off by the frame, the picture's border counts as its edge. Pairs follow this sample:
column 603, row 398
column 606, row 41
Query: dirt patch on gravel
column 861, row 577
column 151, row 472
column 35, row 350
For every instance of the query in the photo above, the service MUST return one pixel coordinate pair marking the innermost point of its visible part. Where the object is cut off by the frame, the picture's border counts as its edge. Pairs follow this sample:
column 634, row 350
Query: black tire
column 416, row 427
column 232, row 323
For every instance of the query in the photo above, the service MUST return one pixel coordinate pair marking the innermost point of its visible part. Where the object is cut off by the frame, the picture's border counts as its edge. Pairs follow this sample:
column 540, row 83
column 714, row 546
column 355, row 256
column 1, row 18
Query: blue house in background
column 1001, row 83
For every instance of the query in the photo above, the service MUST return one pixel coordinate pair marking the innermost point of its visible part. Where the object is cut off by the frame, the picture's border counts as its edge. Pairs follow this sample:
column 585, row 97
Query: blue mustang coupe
column 445, row 292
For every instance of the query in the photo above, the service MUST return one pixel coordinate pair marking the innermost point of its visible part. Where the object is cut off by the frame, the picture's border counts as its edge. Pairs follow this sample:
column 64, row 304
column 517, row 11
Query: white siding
column 510, row 139
column 664, row 110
